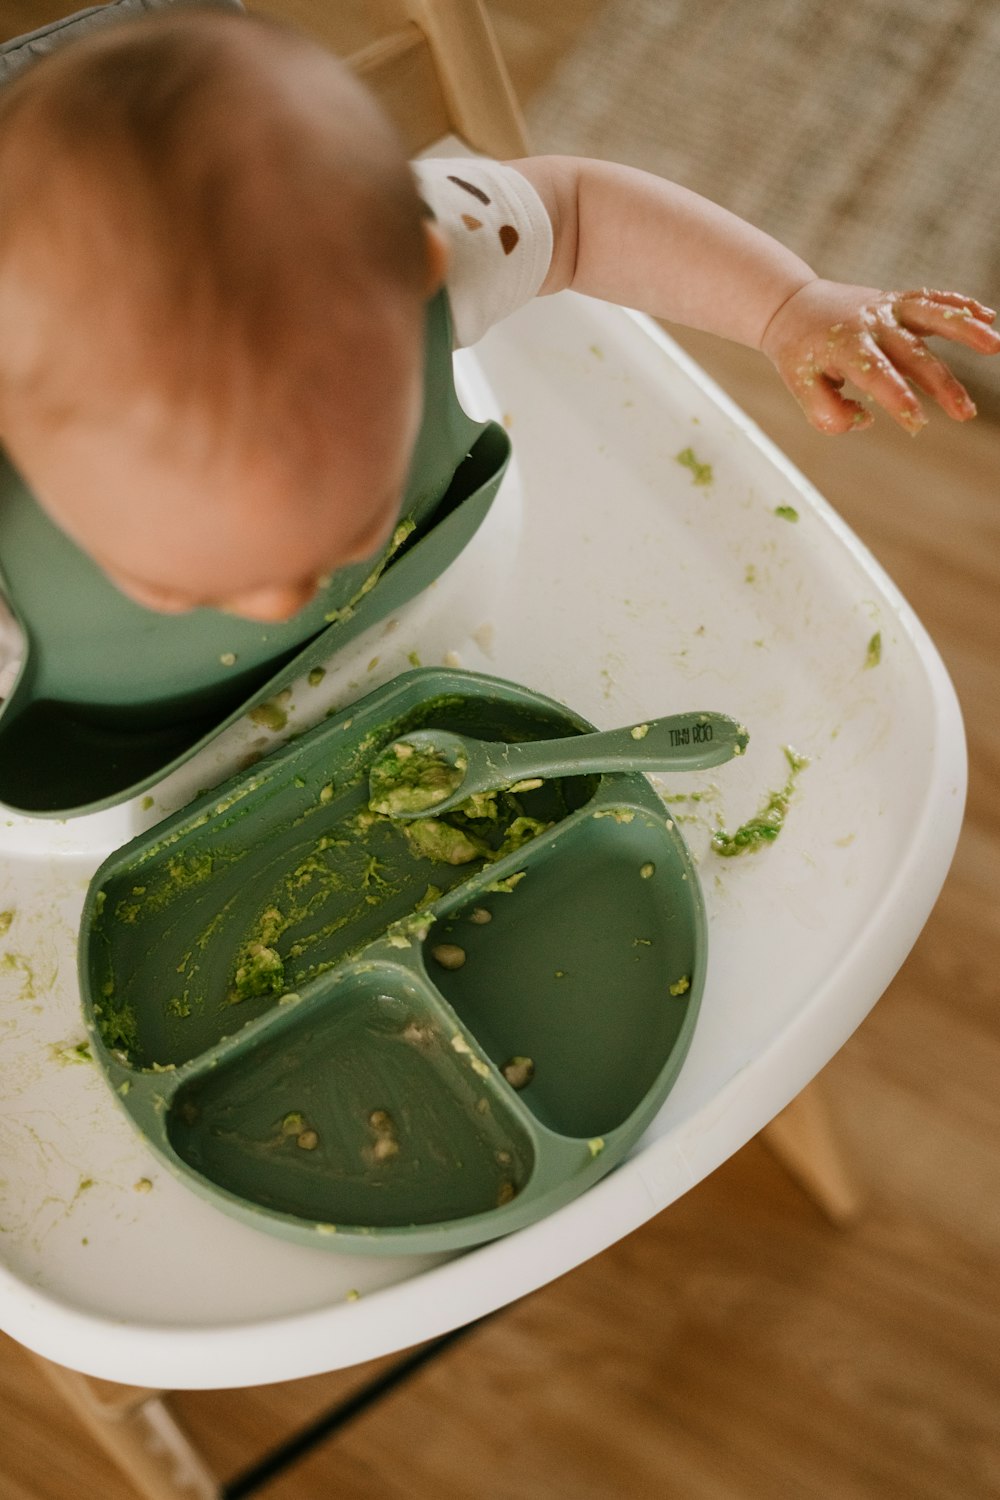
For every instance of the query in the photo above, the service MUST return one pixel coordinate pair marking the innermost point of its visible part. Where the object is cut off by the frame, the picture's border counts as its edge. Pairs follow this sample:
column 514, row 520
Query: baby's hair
column 218, row 213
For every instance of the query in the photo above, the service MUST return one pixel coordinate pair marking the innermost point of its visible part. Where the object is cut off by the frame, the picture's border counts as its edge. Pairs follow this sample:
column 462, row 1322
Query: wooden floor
column 736, row 1348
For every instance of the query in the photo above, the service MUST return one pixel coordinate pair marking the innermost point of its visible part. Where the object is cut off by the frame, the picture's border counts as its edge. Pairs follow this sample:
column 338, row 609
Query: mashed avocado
column 408, row 779
column 765, row 826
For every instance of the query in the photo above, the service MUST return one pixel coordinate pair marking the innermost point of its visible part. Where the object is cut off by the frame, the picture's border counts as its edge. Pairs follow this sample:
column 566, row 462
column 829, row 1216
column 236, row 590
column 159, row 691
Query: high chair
column 641, row 583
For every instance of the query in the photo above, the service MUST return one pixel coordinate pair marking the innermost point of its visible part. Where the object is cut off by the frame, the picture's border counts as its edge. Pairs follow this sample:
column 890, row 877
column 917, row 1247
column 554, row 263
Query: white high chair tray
column 607, row 578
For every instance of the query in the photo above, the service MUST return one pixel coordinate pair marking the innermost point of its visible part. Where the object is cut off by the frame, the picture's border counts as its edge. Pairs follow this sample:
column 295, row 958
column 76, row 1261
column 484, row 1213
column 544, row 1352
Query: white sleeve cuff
column 499, row 238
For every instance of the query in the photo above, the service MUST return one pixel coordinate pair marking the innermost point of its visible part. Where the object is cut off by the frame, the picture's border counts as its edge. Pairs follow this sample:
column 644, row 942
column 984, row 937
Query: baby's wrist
column 786, row 310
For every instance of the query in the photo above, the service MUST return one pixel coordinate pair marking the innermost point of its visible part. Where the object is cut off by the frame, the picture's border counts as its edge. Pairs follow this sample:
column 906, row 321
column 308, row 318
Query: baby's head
column 213, row 272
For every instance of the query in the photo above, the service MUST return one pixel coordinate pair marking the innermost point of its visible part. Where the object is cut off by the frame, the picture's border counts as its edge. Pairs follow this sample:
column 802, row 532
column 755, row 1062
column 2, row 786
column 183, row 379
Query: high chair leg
column 138, row 1433
column 480, row 101
column 804, row 1139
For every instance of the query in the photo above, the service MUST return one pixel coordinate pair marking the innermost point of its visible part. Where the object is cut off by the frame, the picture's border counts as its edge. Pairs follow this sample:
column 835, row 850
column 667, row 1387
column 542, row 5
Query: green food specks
column 429, row 838
column 766, row 825
column 750, row 574
column 596, row 1146
column 414, row 927
column 183, row 873
column 16, row 963
column 261, row 972
column 399, row 536
column 75, row 1055
column 519, row 833
column 786, row 512
column 700, row 473
column 410, row 779
column 270, row 715
column 873, row 655
column 487, row 826
column 647, row 870
column 640, row 731
column 6, row 918
column 682, row 986
column 120, row 1032
column 146, row 804
column 326, row 792
column 228, row 658
column 316, row 675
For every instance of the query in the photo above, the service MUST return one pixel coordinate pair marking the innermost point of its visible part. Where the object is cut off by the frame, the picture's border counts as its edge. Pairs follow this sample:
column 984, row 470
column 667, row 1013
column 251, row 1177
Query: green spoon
column 432, row 770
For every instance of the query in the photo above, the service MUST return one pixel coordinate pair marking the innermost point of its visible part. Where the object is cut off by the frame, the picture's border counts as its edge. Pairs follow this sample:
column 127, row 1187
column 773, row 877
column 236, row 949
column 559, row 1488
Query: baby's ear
column 437, row 256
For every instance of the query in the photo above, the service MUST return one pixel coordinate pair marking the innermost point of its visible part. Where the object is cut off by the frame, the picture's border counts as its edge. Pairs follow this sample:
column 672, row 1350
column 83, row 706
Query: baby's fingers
column 950, row 316
column 873, row 372
column 951, row 299
column 825, row 408
column 930, row 374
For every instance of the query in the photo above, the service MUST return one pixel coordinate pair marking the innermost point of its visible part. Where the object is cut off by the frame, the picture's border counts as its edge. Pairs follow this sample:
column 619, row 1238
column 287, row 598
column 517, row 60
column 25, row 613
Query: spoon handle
column 681, row 742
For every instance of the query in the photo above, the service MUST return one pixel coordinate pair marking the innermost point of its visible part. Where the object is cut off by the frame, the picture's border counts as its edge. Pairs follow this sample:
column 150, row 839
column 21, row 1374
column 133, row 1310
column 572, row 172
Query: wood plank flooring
column 735, row 1348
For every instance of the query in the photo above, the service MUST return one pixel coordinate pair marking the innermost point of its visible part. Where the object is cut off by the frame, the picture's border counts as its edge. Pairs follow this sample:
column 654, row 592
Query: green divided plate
column 111, row 696
column 313, row 1022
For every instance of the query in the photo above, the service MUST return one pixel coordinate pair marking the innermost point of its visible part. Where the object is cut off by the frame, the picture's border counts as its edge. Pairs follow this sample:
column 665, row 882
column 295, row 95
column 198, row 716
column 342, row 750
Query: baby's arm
column 630, row 237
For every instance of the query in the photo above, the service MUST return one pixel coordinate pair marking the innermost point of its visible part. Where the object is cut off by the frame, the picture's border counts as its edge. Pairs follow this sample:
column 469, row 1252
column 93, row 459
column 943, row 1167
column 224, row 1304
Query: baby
column 214, row 260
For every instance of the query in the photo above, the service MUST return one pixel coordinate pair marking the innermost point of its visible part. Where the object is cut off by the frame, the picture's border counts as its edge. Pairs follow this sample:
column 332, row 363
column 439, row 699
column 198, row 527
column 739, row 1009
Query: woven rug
column 864, row 135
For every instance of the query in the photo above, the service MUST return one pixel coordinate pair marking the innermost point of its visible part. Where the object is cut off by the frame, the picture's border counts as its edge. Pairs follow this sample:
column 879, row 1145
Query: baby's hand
column 828, row 333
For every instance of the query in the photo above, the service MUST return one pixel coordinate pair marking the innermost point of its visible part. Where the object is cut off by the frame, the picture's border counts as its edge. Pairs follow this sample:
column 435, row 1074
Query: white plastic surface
column 607, row 578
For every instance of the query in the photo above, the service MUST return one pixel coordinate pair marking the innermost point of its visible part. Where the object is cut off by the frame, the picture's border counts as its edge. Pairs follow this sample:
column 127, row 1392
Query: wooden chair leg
column 481, row 104
column 138, row 1433
column 804, row 1139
